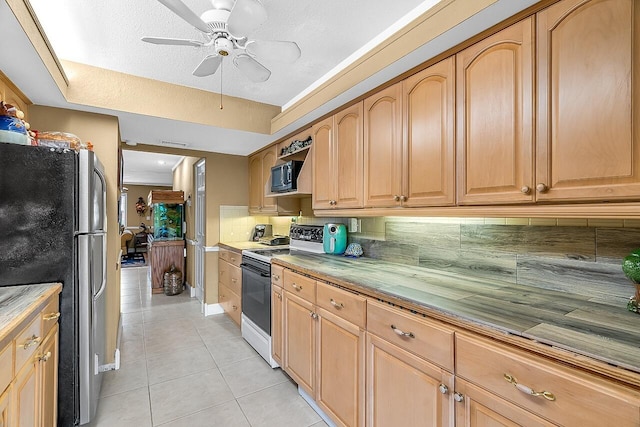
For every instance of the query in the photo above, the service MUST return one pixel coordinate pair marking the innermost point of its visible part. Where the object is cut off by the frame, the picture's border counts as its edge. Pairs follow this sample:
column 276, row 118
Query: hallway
column 179, row 368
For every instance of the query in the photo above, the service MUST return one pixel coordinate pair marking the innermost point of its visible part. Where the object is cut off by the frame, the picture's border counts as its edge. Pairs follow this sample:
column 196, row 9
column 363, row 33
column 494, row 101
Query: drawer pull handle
column 45, row 357
column 337, row 305
column 51, row 316
column 275, row 277
column 528, row 390
column 31, row 341
column 235, row 307
column 296, row 287
column 402, row 333
column 234, row 280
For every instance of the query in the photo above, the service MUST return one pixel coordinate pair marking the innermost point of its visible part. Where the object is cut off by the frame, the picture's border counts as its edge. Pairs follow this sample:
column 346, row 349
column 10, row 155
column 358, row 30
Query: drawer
column 6, row 366
column 50, row 315
column 350, row 307
column 426, row 338
column 277, row 274
column 223, row 254
column 580, row 399
column 223, row 272
column 299, row 285
column 27, row 342
column 230, row 303
column 235, row 279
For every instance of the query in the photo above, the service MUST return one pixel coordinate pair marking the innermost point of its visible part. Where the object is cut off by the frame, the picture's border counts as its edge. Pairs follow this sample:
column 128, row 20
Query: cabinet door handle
column 31, row 341
column 403, row 198
column 525, row 189
column 51, row 316
column 44, row 357
column 337, row 305
column 296, row 287
column 313, row 315
column 396, row 198
column 402, row 333
column 528, row 390
column 443, row 389
column 279, row 296
column 275, row 277
column 542, row 188
column 458, row 397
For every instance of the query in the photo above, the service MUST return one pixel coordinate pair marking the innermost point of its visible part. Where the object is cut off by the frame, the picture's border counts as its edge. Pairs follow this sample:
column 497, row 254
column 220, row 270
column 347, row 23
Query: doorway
column 200, row 231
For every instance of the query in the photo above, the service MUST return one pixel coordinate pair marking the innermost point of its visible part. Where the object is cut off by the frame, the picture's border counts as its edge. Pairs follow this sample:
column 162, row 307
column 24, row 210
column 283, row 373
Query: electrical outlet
column 355, row 225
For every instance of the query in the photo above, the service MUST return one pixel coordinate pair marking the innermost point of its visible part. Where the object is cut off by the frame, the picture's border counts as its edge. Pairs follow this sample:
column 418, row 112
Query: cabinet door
column 256, row 188
column 494, row 80
column 6, row 409
column 383, row 148
column 428, row 155
column 324, row 179
column 405, row 390
column 26, row 390
column 300, row 341
column 588, row 107
column 348, row 146
column 276, row 324
column 269, row 157
column 49, row 379
column 479, row 408
column 341, row 370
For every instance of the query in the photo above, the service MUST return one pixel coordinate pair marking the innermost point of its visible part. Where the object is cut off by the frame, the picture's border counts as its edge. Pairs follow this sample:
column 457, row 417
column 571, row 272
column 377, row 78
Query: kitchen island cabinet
column 337, row 160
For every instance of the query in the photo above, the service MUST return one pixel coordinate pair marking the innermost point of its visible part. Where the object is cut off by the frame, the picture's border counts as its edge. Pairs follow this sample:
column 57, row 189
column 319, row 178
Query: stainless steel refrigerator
column 52, row 229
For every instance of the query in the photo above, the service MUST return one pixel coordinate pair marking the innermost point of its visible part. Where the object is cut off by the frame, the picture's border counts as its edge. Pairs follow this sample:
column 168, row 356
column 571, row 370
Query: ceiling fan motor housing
column 223, row 46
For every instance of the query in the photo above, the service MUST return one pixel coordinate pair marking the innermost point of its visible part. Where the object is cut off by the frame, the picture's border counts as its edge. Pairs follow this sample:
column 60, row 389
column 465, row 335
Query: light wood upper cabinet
column 260, row 165
column 429, row 139
column 383, row 147
column 588, row 108
column 494, row 80
column 338, row 160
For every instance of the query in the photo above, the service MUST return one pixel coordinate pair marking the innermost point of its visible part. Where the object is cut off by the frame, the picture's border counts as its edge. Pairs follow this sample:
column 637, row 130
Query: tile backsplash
column 581, row 256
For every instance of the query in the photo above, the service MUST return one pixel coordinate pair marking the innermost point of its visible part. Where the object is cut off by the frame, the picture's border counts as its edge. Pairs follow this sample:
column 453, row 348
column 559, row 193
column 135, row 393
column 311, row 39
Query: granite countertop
column 568, row 321
column 15, row 300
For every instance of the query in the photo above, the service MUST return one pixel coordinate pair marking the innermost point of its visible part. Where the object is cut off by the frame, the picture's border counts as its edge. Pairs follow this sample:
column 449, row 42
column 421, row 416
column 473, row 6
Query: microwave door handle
column 289, row 174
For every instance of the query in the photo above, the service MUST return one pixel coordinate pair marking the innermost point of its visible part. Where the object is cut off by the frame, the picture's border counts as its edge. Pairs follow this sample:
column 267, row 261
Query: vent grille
column 173, row 143
column 217, row 26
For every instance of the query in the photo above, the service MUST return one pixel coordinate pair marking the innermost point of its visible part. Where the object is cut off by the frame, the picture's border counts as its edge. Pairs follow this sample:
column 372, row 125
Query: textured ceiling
column 107, row 34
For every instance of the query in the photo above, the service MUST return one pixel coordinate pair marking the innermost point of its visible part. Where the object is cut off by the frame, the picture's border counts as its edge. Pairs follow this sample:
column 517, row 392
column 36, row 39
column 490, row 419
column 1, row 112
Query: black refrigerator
column 52, row 228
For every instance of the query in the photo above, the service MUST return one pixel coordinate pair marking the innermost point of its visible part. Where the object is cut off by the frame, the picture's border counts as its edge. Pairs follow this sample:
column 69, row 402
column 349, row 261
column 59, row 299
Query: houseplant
column 631, row 269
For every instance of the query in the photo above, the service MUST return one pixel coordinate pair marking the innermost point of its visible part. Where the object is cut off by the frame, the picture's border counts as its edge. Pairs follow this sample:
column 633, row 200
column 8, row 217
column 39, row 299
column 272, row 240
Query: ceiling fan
column 225, row 28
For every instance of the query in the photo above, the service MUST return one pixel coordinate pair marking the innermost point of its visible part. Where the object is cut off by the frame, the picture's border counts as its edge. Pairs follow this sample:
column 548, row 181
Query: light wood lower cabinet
column 5, row 408
column 277, row 318
column 26, row 411
column 300, row 341
column 230, row 283
column 406, row 390
column 479, row 408
column 49, row 379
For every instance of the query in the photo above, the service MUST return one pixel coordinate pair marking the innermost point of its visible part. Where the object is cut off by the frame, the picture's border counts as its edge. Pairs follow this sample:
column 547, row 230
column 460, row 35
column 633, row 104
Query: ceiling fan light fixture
column 223, row 4
column 223, row 46
column 216, row 19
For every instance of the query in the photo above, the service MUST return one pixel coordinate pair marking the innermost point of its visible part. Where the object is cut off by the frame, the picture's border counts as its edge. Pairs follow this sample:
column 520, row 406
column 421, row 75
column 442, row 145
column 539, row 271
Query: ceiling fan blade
column 208, row 66
column 246, row 16
column 181, row 9
column 172, row 42
column 251, row 68
column 288, row 52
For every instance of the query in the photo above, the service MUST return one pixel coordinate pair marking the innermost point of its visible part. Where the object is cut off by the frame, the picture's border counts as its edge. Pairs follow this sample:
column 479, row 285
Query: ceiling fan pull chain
column 221, row 107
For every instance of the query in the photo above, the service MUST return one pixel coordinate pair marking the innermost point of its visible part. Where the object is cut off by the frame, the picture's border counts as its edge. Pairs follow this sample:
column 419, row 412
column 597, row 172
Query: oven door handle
column 255, row 270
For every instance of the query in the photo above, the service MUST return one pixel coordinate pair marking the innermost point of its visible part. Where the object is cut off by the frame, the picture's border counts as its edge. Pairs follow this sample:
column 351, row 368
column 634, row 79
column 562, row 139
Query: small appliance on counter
column 274, row 240
column 334, row 238
column 261, row 230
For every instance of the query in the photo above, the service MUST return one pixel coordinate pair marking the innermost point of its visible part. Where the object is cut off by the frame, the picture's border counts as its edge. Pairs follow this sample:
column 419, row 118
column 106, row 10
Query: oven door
column 256, row 296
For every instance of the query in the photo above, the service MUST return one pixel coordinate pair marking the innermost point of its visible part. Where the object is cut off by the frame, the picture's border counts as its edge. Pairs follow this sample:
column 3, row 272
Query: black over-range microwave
column 284, row 177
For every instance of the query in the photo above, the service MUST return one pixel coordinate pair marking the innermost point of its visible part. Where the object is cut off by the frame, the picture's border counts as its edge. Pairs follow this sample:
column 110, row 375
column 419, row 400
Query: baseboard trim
column 307, row 398
column 210, row 309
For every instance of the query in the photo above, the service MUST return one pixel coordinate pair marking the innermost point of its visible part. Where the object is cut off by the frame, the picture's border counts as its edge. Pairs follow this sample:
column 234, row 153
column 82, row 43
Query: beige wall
column 103, row 132
column 133, row 192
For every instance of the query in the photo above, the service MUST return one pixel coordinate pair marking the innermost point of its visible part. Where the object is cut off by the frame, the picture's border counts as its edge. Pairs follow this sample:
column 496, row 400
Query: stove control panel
column 309, row 233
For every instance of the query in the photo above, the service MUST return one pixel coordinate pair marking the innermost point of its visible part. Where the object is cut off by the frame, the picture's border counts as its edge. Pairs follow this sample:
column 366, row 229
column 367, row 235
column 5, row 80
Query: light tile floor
column 179, row 368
